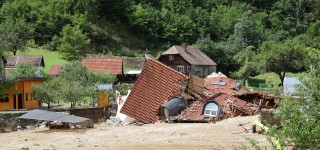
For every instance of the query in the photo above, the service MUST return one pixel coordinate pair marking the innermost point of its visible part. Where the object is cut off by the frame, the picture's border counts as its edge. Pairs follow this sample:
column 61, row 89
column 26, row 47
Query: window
column 180, row 68
column 4, row 98
column 211, row 109
column 188, row 68
column 171, row 57
column 221, row 83
column 27, row 98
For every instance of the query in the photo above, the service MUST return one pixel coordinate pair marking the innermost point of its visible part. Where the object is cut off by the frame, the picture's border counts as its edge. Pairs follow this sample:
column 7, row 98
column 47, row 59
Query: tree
column 73, row 92
column 75, row 71
column 73, row 43
column 78, row 82
column 25, row 70
column 47, row 92
column 314, row 34
column 14, row 35
column 74, row 78
column 281, row 57
column 247, row 59
column 300, row 117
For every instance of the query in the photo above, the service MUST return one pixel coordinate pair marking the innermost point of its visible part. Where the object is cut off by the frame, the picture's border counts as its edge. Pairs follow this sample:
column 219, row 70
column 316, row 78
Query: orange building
column 19, row 96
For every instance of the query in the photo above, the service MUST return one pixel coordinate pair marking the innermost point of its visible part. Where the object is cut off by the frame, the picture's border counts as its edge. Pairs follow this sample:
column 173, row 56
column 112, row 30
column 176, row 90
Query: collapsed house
column 162, row 93
column 155, row 85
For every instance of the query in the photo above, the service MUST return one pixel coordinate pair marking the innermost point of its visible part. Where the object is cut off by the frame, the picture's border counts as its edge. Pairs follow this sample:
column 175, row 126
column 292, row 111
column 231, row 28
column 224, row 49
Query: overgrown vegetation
column 300, row 117
column 74, row 84
column 222, row 29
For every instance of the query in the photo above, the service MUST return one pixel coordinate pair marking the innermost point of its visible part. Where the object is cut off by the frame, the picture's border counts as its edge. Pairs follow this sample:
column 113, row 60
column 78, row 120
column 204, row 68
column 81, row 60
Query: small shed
column 13, row 61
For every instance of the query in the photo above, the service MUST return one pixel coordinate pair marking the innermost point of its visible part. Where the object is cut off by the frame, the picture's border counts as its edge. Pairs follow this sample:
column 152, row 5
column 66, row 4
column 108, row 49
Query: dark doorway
column 14, row 101
column 20, row 101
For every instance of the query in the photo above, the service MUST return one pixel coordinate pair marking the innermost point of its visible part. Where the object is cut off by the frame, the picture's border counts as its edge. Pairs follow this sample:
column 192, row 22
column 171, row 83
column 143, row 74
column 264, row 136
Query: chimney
column 184, row 45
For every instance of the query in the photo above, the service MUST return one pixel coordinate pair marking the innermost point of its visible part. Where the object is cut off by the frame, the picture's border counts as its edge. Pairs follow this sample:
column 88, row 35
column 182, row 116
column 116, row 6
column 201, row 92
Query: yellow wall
column 103, row 98
column 22, row 87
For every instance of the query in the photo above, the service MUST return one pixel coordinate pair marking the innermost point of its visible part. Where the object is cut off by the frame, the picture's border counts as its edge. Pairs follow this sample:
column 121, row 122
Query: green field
column 267, row 82
column 50, row 57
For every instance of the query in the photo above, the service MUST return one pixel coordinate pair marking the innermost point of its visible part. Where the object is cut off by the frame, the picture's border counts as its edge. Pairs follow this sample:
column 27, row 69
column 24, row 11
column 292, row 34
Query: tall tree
column 281, row 57
column 73, row 42
column 299, row 117
column 14, row 35
column 48, row 92
column 248, row 64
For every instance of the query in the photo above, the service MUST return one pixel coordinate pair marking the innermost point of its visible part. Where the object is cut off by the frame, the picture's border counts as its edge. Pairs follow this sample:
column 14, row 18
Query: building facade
column 19, row 95
column 188, row 60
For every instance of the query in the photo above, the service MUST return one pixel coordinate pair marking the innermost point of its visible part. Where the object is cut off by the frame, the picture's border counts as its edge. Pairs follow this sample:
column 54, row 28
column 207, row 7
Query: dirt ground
column 226, row 134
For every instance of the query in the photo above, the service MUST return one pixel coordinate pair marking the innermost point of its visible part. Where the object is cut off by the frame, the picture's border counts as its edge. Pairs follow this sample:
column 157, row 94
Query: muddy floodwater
column 226, row 134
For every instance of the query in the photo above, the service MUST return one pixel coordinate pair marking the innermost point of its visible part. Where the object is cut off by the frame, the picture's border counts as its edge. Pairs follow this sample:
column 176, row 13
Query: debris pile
column 162, row 93
column 155, row 85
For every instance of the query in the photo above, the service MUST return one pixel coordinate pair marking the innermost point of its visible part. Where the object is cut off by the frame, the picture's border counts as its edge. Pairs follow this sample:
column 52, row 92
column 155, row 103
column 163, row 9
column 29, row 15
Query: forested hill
column 229, row 31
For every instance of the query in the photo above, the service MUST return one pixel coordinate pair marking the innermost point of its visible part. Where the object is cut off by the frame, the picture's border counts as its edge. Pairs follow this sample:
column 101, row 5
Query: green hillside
column 50, row 57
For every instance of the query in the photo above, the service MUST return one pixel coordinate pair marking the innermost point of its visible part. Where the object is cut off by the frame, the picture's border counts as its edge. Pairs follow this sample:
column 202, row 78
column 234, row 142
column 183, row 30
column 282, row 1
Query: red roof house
column 155, row 85
column 54, row 71
column 107, row 65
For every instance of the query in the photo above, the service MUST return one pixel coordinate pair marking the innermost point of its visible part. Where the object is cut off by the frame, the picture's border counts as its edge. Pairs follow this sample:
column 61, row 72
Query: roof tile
column 155, row 85
column 55, row 70
column 110, row 65
column 227, row 88
column 194, row 111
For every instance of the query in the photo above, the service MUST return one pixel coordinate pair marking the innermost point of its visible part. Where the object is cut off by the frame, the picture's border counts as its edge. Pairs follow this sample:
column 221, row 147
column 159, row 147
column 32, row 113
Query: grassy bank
column 267, row 82
column 50, row 57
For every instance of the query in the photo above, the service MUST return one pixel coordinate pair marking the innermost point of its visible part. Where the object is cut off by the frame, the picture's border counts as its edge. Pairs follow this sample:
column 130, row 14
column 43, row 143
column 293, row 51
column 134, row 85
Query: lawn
column 50, row 57
column 267, row 82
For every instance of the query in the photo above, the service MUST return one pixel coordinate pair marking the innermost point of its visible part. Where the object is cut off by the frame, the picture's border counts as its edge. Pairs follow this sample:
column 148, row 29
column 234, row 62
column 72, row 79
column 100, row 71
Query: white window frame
column 180, row 68
column 211, row 112
column 171, row 57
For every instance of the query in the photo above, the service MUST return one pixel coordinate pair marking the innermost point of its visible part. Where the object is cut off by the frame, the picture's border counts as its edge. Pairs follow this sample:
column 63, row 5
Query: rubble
column 206, row 99
column 155, row 85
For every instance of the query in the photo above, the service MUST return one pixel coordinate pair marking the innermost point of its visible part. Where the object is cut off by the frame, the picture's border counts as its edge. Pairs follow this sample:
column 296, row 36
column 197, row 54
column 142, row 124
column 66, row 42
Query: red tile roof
column 155, row 85
column 55, row 70
column 227, row 88
column 227, row 102
column 108, row 65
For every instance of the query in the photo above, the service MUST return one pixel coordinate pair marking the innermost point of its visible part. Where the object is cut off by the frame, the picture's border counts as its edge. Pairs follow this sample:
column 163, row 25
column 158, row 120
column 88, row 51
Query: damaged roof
column 192, row 55
column 155, row 85
column 231, row 106
column 223, row 85
column 107, row 65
